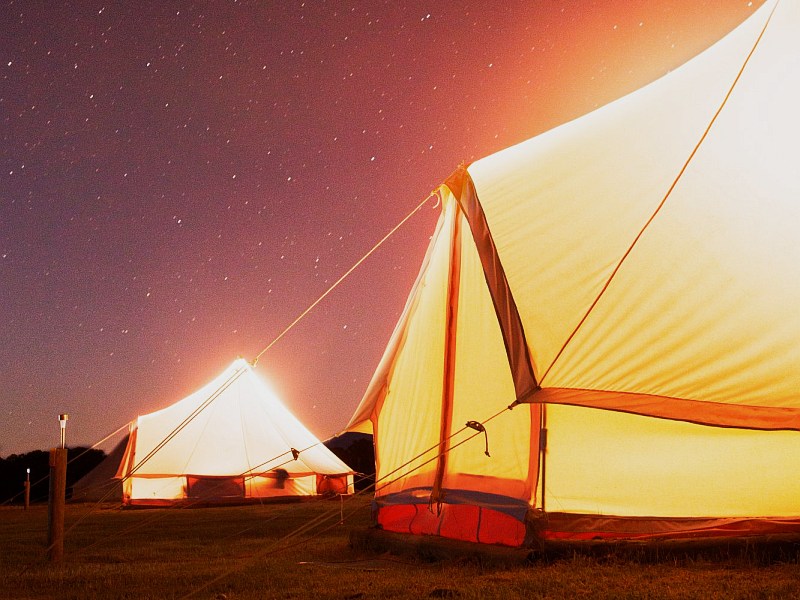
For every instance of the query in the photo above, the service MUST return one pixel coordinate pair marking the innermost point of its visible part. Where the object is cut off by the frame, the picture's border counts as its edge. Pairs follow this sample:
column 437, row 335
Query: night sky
column 180, row 180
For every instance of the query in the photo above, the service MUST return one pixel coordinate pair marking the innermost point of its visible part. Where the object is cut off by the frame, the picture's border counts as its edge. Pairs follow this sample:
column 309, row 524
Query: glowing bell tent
column 629, row 285
column 230, row 441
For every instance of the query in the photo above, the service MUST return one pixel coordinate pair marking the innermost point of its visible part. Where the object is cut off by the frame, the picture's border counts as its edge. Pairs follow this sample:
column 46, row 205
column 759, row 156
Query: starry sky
column 180, row 180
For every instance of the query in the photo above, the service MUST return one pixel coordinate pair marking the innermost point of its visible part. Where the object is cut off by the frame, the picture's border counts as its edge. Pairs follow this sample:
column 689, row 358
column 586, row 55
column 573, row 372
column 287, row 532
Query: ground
column 302, row 550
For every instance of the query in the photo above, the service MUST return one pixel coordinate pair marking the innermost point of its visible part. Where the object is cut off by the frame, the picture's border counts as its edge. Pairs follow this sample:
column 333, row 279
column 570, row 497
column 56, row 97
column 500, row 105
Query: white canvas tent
column 629, row 283
column 229, row 441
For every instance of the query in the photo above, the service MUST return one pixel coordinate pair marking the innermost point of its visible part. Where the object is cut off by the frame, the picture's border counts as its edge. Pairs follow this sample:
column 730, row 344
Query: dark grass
column 249, row 552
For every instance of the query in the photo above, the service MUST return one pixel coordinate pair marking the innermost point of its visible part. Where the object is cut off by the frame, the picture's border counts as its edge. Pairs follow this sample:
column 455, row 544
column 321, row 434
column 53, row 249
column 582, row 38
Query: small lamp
column 62, row 421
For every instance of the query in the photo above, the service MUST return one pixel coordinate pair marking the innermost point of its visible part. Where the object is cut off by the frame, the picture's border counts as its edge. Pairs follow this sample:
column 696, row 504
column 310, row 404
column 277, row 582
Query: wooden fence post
column 57, row 499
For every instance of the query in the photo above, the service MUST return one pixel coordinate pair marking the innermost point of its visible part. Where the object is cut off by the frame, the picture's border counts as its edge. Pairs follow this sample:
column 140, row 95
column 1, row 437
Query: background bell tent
column 615, row 302
column 101, row 483
column 229, row 441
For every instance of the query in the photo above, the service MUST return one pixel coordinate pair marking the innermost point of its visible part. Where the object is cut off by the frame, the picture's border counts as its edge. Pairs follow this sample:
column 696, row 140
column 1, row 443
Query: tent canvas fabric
column 230, row 441
column 616, row 302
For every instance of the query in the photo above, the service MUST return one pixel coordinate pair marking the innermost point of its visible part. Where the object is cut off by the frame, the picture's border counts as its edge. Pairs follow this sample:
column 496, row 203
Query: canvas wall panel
column 603, row 462
column 410, row 415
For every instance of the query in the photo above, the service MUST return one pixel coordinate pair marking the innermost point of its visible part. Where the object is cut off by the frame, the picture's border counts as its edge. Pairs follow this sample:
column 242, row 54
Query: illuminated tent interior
column 617, row 303
column 230, row 441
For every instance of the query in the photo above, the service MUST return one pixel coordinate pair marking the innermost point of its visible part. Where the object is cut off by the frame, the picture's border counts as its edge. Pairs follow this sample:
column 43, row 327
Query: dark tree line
column 13, row 472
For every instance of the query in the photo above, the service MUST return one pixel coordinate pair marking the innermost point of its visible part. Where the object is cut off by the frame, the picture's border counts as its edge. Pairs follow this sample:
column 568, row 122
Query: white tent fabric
column 234, row 437
column 642, row 259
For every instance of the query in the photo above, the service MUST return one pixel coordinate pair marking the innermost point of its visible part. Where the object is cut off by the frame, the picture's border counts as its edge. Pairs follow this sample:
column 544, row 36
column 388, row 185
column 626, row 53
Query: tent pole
column 448, row 383
column 543, row 451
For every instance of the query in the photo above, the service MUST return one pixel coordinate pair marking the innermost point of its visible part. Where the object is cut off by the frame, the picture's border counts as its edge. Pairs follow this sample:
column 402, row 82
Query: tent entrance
column 209, row 488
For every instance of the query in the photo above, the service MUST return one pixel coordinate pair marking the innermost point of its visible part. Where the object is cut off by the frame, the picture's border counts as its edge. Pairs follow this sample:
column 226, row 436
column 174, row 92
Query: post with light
column 58, row 494
column 27, row 488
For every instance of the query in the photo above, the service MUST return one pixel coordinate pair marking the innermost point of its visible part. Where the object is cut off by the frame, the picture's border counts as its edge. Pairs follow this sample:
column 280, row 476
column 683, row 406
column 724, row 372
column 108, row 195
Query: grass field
column 250, row 552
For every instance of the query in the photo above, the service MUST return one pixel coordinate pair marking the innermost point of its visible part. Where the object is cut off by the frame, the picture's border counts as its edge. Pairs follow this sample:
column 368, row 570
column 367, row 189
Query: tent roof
column 649, row 249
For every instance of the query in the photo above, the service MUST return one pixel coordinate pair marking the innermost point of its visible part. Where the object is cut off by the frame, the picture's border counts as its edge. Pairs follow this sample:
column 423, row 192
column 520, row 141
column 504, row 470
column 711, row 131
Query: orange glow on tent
column 615, row 300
